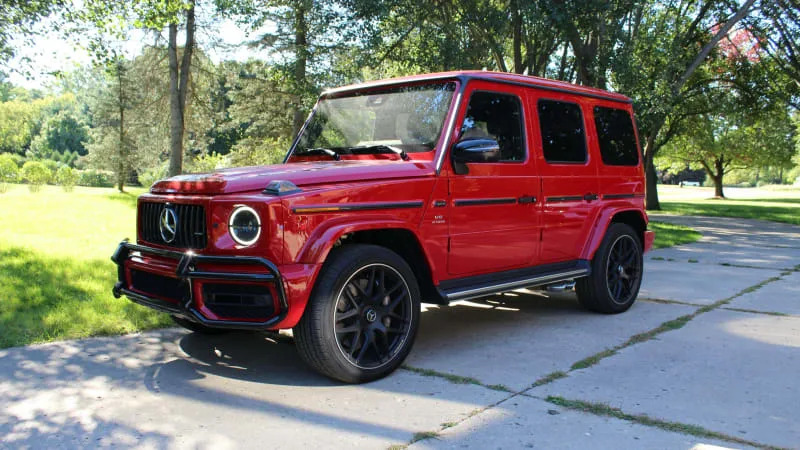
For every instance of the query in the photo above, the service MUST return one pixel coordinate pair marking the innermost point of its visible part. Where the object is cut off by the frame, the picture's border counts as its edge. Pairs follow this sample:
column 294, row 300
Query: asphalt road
column 708, row 356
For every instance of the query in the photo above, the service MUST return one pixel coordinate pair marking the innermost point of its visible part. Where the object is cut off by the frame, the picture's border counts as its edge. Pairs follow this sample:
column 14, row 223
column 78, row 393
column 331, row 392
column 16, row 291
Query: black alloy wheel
column 616, row 272
column 373, row 316
column 363, row 314
column 623, row 271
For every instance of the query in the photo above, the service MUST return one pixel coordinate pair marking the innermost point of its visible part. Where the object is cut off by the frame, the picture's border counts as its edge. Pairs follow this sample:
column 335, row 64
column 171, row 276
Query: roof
column 501, row 77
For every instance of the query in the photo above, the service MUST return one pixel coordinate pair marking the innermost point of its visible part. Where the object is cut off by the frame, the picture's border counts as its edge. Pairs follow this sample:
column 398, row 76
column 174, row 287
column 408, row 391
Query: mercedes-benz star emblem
column 371, row 315
column 168, row 225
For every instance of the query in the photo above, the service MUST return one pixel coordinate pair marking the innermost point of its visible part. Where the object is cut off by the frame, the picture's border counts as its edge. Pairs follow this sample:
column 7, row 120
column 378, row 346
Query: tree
column 722, row 142
column 156, row 15
column 657, row 65
column 307, row 33
column 62, row 138
column 17, row 18
column 266, row 125
column 111, row 146
column 16, row 125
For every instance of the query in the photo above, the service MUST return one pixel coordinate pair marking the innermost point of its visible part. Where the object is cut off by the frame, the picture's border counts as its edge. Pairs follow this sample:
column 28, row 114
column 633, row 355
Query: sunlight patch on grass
column 669, row 235
column 55, row 271
column 776, row 210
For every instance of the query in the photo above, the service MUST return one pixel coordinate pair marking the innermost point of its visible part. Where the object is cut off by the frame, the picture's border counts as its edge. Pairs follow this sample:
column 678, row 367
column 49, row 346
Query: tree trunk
column 718, row 186
column 651, row 182
column 175, row 110
column 178, row 86
column 122, row 158
column 122, row 151
column 301, row 53
column 717, row 177
column 516, row 21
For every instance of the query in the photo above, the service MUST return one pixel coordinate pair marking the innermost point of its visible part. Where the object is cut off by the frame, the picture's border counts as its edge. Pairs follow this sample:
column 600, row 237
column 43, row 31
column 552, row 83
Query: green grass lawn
column 55, row 271
column 668, row 235
column 785, row 210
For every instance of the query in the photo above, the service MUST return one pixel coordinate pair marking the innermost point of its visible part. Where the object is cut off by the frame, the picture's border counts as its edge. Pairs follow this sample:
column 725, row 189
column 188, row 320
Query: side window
column 616, row 136
column 563, row 136
column 496, row 116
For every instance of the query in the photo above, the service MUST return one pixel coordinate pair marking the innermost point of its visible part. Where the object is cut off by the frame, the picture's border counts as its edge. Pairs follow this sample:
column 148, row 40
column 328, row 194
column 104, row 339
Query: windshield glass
column 406, row 119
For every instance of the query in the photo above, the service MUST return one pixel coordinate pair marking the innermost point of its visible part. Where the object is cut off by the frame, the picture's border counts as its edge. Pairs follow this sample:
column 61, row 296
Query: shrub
column 96, row 178
column 52, row 166
column 9, row 172
column 207, row 163
column 150, row 176
column 36, row 174
column 66, row 178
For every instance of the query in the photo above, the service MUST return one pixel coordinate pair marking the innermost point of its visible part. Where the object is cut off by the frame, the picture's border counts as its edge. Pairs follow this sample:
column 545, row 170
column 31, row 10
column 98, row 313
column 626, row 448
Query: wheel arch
column 635, row 218
column 394, row 235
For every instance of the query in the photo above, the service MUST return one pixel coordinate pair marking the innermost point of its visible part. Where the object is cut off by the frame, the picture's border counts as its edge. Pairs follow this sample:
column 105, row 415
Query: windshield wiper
column 324, row 150
column 397, row 151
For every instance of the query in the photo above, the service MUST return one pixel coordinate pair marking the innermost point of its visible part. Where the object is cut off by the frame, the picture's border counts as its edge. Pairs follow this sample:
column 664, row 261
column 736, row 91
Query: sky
column 34, row 65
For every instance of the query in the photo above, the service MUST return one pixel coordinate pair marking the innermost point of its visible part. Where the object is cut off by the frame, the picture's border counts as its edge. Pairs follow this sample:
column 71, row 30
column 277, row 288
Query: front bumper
column 260, row 272
column 649, row 238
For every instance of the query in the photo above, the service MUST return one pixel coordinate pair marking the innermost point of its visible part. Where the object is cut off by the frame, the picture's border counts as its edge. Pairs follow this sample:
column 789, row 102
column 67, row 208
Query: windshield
column 400, row 120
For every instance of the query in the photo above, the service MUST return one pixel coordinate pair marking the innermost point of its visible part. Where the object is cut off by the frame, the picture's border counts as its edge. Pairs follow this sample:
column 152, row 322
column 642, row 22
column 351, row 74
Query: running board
column 497, row 283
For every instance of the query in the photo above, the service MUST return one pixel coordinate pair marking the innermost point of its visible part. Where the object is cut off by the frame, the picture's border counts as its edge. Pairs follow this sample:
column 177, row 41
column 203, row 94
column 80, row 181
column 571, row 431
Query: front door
column 493, row 220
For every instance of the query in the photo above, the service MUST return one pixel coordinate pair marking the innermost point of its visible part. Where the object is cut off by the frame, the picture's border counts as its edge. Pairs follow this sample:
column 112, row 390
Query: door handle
column 525, row 199
column 590, row 197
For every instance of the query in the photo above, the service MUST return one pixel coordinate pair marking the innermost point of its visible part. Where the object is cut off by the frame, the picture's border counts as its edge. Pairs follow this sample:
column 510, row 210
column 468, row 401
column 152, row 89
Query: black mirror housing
column 474, row 150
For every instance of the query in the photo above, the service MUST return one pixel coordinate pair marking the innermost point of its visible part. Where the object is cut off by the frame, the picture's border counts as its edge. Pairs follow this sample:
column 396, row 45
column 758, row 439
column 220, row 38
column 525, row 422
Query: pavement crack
column 668, row 301
column 455, row 379
column 597, row 408
column 602, row 409
column 754, row 311
column 748, row 266
column 669, row 325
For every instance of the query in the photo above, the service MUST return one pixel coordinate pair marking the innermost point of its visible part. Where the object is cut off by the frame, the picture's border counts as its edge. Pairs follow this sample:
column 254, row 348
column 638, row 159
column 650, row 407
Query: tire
column 362, row 317
column 616, row 272
column 197, row 327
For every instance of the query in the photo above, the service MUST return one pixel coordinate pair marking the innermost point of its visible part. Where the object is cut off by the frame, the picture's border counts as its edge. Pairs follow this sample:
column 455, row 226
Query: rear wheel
column 362, row 317
column 196, row 327
column 616, row 274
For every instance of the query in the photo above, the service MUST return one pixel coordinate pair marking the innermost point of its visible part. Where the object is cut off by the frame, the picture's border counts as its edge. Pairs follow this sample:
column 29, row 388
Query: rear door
column 620, row 167
column 568, row 171
column 493, row 219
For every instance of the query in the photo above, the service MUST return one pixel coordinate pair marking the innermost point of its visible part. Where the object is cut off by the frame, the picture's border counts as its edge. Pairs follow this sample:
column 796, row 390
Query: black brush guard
column 186, row 271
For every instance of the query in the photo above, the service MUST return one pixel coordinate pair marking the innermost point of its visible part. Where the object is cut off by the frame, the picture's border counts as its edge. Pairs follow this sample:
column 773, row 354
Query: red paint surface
column 457, row 241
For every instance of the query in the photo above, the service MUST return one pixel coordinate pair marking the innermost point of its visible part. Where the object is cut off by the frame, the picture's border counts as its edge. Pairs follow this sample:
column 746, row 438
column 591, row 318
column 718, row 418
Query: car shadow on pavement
column 247, row 356
column 273, row 358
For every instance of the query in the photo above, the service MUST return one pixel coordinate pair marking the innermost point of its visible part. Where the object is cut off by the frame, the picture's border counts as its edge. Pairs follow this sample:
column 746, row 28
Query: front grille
column 191, row 226
column 239, row 301
column 159, row 286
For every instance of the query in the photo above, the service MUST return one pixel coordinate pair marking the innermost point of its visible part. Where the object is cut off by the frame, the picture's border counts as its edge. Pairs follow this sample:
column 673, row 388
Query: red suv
column 431, row 188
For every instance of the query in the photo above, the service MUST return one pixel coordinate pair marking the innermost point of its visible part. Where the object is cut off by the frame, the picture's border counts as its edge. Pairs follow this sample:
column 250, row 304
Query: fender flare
column 604, row 220
column 321, row 241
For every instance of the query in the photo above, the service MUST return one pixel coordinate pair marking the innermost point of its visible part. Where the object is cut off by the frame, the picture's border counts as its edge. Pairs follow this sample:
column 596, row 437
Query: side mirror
column 474, row 150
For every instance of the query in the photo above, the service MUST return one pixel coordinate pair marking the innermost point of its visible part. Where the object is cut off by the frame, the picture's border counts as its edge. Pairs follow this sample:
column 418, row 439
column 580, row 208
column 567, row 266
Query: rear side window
column 616, row 136
column 496, row 116
column 563, row 134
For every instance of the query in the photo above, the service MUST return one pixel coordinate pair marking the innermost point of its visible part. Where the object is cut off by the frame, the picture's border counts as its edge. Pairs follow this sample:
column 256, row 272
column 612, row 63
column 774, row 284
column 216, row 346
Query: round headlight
column 244, row 225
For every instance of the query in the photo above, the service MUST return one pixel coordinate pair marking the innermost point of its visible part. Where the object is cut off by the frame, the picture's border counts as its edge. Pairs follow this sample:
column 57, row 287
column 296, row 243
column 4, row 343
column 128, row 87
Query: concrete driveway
column 709, row 356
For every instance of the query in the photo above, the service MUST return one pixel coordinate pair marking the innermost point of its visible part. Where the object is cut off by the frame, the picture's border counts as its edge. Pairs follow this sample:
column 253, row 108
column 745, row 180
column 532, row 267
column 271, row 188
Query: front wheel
column 363, row 315
column 616, row 274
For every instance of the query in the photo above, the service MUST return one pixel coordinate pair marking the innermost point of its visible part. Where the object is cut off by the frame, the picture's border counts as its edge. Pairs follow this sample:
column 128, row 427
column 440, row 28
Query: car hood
column 244, row 179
